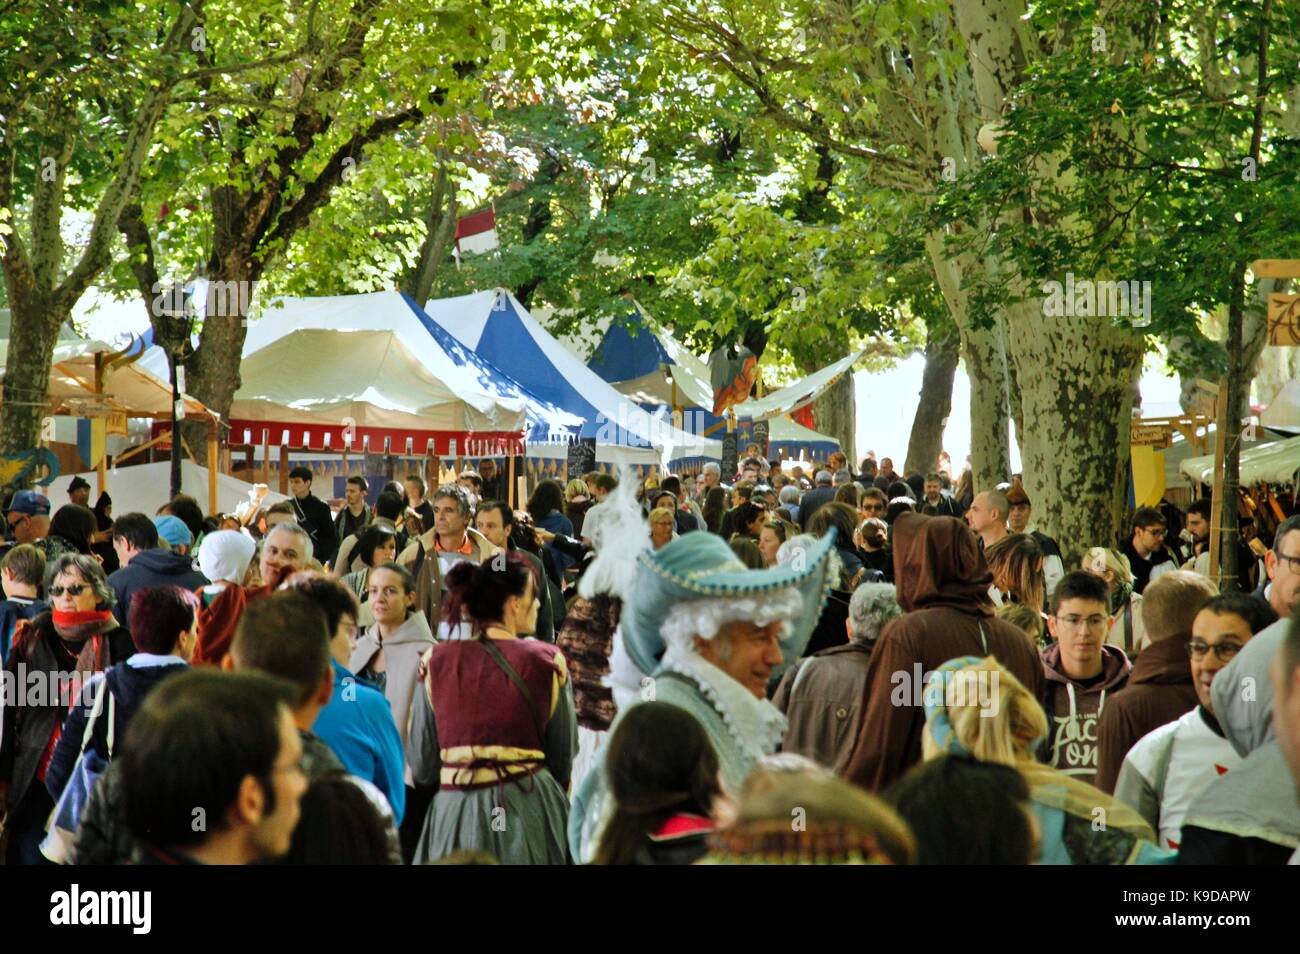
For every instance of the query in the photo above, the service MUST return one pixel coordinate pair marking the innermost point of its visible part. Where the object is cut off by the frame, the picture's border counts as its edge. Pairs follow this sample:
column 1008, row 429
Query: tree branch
column 135, row 150
column 316, row 193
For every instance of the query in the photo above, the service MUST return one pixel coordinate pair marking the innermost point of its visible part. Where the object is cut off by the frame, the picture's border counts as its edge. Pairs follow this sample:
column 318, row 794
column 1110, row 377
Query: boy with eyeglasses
column 1169, row 767
column 1079, row 671
column 1147, row 554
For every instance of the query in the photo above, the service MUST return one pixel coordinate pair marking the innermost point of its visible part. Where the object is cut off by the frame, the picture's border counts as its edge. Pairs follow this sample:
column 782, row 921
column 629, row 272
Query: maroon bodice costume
column 487, row 731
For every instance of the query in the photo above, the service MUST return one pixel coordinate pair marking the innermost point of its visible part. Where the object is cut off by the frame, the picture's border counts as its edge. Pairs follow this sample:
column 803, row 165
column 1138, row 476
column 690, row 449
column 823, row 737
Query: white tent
column 631, row 354
column 143, row 488
column 788, row 434
column 369, row 381
column 803, row 392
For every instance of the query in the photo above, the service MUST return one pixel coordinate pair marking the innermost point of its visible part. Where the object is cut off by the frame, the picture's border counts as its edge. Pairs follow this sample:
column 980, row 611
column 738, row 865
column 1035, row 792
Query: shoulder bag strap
column 95, row 713
column 112, row 717
column 518, row 680
column 1128, row 628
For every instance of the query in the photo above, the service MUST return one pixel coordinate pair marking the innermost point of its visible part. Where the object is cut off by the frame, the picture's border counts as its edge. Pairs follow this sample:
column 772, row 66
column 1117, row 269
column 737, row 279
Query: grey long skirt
column 517, row 826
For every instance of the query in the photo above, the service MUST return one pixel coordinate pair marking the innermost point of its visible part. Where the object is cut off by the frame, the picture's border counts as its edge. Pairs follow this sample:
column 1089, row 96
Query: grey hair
column 297, row 530
column 870, row 608
column 789, row 494
column 842, row 477
column 799, row 545
column 711, row 468
column 454, row 492
column 823, row 477
column 88, row 569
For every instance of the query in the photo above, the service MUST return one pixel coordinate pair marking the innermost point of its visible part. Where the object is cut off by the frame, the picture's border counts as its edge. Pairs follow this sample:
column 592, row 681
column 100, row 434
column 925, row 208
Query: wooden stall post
column 1216, row 494
column 284, row 468
column 214, row 463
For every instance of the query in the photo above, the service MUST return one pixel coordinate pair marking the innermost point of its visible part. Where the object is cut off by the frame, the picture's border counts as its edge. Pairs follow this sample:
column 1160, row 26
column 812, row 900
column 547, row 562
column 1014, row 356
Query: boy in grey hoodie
column 1079, row 669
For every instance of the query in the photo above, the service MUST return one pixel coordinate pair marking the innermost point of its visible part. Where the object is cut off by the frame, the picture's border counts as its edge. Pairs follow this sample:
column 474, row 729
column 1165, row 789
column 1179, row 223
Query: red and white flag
column 477, row 233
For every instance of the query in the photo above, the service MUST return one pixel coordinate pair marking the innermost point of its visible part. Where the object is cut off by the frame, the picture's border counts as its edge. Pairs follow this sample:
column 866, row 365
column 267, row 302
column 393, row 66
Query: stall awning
column 1273, row 463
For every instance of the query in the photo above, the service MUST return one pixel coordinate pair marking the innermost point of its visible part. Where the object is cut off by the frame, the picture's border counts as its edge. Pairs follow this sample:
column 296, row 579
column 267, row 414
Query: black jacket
column 153, row 568
column 811, row 501
column 11, row 613
column 545, row 610
column 104, row 837
column 314, row 516
column 28, row 727
column 946, row 507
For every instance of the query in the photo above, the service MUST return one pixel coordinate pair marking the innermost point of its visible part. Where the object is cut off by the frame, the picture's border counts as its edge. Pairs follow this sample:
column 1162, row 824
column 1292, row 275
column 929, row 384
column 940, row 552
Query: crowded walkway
column 652, row 670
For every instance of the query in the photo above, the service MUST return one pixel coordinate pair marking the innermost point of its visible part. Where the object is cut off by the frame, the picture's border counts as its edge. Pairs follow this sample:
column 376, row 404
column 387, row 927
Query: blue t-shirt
column 358, row 725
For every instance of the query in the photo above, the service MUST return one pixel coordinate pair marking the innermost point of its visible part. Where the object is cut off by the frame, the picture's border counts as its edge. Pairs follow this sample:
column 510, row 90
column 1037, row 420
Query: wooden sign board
column 1146, row 435
column 1276, row 268
column 1284, row 320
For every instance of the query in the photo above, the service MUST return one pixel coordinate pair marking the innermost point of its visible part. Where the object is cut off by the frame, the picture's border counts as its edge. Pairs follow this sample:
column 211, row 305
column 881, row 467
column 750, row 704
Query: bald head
column 988, row 514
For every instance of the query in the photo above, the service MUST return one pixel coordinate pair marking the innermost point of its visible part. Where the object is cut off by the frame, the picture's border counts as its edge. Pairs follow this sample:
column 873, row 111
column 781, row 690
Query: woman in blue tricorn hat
column 701, row 631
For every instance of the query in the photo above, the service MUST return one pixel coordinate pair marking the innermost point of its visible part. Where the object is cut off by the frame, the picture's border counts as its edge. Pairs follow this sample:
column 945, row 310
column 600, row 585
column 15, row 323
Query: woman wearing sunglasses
column 52, row 657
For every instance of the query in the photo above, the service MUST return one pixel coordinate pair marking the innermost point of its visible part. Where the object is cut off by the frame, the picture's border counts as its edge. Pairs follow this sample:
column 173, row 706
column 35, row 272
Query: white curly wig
column 706, row 617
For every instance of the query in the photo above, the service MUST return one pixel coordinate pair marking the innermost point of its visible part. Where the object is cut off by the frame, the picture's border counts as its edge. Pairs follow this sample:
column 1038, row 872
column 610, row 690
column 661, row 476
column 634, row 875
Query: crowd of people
column 780, row 665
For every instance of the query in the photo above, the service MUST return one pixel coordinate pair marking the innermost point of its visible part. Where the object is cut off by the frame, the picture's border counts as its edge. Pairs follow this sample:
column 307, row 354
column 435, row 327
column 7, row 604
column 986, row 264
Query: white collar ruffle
column 756, row 725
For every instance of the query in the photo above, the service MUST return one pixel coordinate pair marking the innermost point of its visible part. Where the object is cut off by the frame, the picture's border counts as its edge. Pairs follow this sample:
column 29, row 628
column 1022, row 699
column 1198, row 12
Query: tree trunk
column 41, row 296
column 986, row 366
column 990, row 439
column 212, row 371
column 34, row 328
column 834, row 413
column 942, row 352
column 1241, row 361
column 1078, row 381
column 439, row 227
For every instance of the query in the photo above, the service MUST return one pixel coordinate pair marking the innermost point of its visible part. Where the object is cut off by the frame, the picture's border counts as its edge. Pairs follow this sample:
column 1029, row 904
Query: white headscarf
column 225, row 555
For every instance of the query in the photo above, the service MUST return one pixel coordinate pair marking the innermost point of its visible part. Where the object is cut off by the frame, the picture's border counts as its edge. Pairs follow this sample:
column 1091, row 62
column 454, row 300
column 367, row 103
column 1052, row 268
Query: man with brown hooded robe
column 942, row 583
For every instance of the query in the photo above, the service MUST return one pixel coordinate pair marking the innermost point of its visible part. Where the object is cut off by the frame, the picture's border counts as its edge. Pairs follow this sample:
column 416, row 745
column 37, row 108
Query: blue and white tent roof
column 500, row 330
column 634, row 350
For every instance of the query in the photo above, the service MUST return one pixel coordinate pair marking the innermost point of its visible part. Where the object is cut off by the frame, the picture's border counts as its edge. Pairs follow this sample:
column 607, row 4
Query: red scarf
column 63, row 618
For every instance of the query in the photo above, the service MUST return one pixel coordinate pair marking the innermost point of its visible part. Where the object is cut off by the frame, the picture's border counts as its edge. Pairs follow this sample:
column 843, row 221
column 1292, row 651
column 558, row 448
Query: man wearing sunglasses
column 28, row 519
column 873, row 504
column 1147, row 554
column 1169, row 767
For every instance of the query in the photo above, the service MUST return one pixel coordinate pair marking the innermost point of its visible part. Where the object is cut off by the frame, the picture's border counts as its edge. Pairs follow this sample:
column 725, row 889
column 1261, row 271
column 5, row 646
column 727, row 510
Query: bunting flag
column 732, row 377
column 477, row 233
